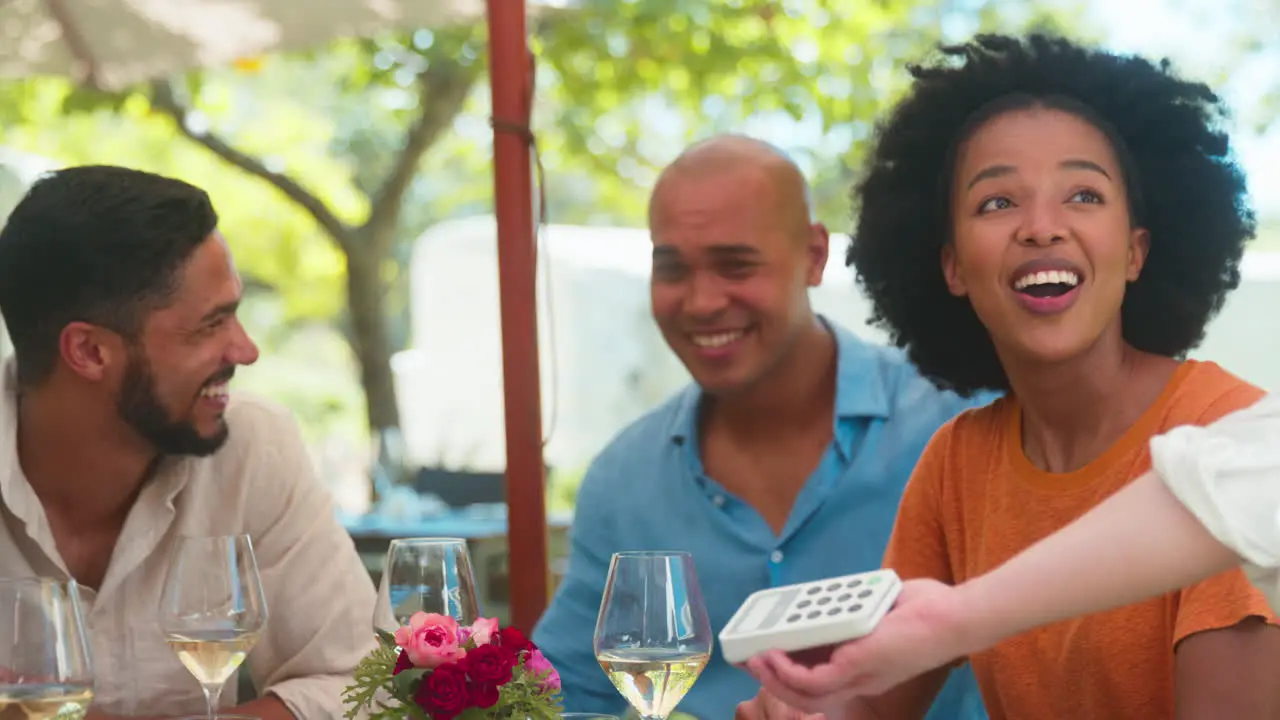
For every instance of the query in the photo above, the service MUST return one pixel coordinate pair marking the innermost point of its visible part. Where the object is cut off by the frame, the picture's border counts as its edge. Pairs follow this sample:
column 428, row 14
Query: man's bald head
column 734, row 255
column 740, row 159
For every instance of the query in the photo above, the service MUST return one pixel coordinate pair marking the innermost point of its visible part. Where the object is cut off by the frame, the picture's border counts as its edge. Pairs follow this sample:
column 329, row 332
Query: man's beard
column 140, row 407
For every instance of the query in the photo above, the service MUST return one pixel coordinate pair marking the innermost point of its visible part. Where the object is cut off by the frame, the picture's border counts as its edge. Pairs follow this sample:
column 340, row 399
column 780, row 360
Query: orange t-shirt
column 975, row 501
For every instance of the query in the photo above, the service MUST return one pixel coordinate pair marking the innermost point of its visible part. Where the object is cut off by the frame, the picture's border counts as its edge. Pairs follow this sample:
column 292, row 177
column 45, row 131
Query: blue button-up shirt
column 647, row 491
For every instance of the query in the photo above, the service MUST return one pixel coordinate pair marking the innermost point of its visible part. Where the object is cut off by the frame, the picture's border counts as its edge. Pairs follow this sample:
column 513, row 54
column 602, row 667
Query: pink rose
column 483, row 630
column 538, row 665
column 430, row 640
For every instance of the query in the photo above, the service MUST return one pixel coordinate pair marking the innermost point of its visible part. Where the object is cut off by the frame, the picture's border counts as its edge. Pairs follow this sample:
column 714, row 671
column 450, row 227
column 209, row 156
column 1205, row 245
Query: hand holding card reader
column 809, row 615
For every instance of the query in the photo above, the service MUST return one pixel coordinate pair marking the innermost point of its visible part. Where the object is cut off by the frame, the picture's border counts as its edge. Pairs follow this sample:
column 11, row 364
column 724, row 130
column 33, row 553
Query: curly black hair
column 1184, row 188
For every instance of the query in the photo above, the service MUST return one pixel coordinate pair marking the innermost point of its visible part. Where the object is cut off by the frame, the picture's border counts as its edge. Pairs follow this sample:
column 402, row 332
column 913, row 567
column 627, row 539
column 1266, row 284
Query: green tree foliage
column 274, row 242
column 627, row 84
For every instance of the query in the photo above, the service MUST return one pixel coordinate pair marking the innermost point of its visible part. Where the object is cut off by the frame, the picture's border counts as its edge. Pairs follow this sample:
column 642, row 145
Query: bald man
column 783, row 461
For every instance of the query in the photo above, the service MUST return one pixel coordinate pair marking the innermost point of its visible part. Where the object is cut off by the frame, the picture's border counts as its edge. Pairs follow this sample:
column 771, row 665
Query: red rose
column 443, row 693
column 483, row 696
column 514, row 640
column 487, row 665
column 402, row 663
column 509, row 656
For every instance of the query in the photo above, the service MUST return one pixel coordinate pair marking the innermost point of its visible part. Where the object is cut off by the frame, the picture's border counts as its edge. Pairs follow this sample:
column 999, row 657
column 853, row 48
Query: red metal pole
column 510, row 80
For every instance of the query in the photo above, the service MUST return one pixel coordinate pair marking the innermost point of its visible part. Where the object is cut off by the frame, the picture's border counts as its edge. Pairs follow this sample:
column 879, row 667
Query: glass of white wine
column 212, row 608
column 652, row 635
column 431, row 575
column 46, row 668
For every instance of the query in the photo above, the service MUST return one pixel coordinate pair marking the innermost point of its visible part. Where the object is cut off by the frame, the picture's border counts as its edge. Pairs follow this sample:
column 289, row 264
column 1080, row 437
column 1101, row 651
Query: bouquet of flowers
column 437, row 670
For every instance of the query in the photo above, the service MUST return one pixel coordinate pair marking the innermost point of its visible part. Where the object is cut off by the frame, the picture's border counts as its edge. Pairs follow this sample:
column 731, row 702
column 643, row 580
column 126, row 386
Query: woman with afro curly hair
column 1061, row 224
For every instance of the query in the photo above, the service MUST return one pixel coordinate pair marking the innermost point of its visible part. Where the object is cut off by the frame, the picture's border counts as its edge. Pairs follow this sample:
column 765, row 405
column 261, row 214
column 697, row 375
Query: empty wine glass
column 46, row 669
column 431, row 575
column 212, row 608
column 652, row 635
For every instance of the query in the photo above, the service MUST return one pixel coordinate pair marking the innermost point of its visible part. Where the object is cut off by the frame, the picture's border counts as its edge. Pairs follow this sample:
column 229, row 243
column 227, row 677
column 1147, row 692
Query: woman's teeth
column 1047, row 277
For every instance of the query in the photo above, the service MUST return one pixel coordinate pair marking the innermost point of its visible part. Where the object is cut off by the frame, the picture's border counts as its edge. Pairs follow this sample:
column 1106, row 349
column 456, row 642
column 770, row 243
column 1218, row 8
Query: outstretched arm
column 1214, row 503
column 1140, row 543
column 1211, row 502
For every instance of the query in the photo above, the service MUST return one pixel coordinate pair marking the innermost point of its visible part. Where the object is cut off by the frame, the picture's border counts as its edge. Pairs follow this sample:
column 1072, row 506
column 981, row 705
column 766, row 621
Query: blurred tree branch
column 442, row 88
column 164, row 99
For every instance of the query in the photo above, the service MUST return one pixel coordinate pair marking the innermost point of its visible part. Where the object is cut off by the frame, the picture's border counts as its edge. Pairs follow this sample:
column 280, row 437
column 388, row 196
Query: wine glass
column 431, row 575
column 46, row 669
column 212, row 608
column 652, row 635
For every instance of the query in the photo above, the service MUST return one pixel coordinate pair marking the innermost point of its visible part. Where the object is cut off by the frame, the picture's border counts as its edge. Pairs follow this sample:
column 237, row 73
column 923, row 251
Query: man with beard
column 118, row 435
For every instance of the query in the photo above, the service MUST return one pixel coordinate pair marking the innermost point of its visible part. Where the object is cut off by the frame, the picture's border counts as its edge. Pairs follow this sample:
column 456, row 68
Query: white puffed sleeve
column 1228, row 475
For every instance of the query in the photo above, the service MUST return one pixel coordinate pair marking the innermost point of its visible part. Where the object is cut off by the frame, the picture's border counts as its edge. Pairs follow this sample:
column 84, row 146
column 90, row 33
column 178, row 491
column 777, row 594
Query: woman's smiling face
column 1042, row 239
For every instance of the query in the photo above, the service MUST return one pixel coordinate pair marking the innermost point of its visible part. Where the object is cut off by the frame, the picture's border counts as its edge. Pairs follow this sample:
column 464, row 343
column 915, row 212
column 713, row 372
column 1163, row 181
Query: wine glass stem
column 212, row 691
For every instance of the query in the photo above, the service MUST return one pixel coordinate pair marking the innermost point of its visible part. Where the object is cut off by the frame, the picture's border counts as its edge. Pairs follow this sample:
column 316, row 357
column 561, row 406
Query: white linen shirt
column 320, row 599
